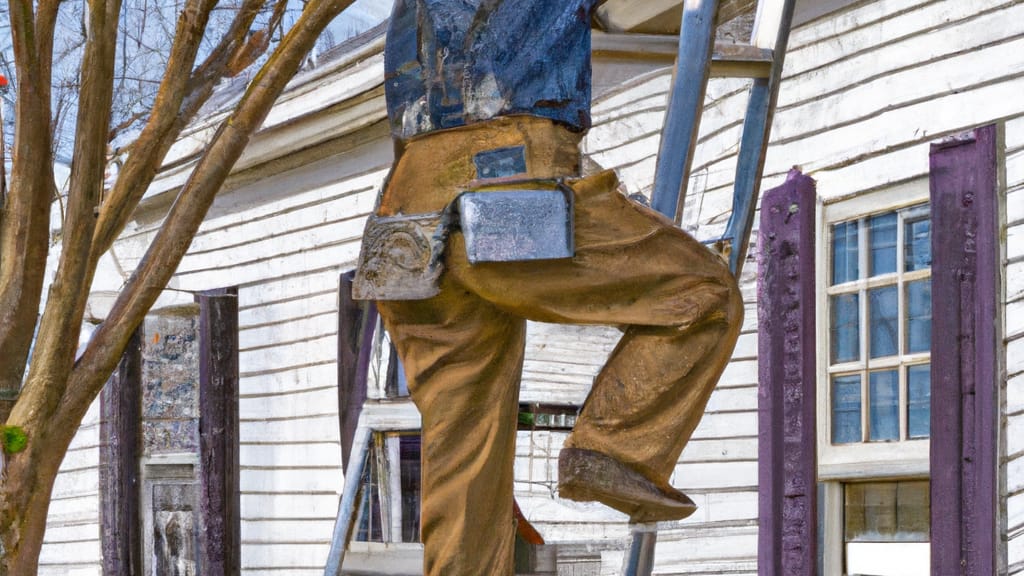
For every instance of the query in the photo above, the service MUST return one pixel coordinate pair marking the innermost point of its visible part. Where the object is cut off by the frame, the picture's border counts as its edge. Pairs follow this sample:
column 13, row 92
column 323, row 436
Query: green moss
column 526, row 419
column 13, row 439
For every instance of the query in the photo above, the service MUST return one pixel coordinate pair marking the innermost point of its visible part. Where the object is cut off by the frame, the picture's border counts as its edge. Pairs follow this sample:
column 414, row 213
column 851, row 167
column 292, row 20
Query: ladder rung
column 729, row 60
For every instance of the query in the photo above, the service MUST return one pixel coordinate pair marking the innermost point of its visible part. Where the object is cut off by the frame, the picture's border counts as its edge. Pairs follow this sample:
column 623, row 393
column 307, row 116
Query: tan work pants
column 463, row 349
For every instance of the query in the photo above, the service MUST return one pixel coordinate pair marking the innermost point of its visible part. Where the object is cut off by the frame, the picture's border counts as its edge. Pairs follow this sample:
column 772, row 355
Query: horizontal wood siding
column 290, row 454
column 283, row 239
column 72, row 541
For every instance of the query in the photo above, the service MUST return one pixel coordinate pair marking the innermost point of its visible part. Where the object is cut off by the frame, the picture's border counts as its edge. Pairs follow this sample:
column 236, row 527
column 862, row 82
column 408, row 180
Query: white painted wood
column 300, row 402
column 319, row 325
column 317, row 428
column 322, row 349
column 705, row 450
column 72, row 510
column 342, row 254
column 260, row 456
column 862, row 99
column 292, row 481
column 866, row 91
column 313, row 376
column 284, row 555
column 708, row 546
column 290, row 571
column 352, row 205
column 1014, row 315
column 82, row 482
column 271, row 531
column 715, row 475
column 767, row 22
column 1015, row 357
column 847, row 21
column 81, row 552
column 302, row 307
column 288, row 506
column 885, row 29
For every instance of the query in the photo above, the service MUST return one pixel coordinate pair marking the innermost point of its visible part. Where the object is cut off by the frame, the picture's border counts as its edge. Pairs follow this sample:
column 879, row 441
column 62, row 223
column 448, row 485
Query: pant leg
column 677, row 300
column 463, row 359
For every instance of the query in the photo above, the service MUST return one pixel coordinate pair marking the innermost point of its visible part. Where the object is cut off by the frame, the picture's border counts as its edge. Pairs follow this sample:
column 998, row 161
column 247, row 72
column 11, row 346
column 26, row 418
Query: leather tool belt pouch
column 518, row 223
column 400, row 257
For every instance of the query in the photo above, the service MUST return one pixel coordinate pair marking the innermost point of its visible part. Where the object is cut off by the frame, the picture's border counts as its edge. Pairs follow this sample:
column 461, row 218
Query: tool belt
column 402, row 256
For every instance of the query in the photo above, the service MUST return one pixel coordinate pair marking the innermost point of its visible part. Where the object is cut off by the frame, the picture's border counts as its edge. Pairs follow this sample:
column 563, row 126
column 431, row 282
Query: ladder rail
column 757, row 127
column 672, row 174
column 686, row 104
column 679, row 136
column 348, row 507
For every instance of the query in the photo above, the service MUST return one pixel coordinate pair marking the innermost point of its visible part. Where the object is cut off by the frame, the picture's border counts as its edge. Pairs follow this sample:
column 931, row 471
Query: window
column 874, row 382
column 389, row 509
column 879, row 301
column 875, row 330
column 886, row 527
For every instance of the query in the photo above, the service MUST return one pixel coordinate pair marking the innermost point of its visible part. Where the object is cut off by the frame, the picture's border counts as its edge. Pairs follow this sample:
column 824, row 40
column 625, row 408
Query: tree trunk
column 25, row 497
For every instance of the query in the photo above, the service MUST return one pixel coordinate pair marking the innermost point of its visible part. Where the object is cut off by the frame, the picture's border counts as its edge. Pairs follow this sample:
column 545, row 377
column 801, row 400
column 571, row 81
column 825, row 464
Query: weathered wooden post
column 787, row 509
column 966, row 335
column 120, row 441
column 219, row 504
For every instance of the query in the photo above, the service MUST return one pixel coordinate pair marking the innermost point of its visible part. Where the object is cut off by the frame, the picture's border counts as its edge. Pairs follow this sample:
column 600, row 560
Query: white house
column 868, row 88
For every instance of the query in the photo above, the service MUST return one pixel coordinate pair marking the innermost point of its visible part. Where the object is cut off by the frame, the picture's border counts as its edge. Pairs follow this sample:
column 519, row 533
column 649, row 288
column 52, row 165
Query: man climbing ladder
column 488, row 101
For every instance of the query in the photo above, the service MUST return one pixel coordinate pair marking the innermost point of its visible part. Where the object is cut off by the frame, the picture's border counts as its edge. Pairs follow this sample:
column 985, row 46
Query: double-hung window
column 874, row 357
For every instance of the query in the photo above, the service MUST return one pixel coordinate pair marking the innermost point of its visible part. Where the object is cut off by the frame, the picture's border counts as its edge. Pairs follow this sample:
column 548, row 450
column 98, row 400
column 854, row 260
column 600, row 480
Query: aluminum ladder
column 698, row 59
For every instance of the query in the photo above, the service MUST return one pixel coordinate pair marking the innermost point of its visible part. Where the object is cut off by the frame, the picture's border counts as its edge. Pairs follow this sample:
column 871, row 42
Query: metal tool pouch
column 517, row 224
column 400, row 257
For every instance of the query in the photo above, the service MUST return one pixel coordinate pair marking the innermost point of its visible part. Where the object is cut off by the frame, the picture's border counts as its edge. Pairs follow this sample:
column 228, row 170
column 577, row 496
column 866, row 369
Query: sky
column 359, row 17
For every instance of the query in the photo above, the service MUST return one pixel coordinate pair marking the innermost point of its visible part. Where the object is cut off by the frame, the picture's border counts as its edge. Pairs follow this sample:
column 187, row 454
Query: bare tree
column 47, row 403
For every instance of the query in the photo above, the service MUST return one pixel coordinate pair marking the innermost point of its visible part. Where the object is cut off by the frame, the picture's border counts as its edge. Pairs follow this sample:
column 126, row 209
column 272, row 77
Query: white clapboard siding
column 713, row 550
column 71, row 544
column 846, row 21
column 284, row 241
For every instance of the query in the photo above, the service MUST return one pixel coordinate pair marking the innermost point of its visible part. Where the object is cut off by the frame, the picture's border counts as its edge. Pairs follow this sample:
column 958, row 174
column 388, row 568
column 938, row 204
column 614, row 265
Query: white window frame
column 868, row 460
column 838, row 464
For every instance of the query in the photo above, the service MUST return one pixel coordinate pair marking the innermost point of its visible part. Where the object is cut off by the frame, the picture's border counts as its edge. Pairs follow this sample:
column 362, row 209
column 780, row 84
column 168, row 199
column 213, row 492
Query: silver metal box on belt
column 516, row 225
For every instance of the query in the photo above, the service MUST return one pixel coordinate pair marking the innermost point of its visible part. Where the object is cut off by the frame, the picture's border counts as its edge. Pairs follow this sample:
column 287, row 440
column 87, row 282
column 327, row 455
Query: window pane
column 913, row 511
column 883, row 321
column 919, row 401
column 409, row 451
column 370, row 519
column 885, row 404
column 870, row 512
column 887, row 511
column 917, row 238
column 846, row 409
column 883, row 243
column 919, row 316
column 845, row 312
column 845, row 259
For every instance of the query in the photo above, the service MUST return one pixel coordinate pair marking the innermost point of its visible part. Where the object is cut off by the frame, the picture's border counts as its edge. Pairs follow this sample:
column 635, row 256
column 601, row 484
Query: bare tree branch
column 195, row 198
column 54, row 351
column 24, row 218
column 169, row 116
